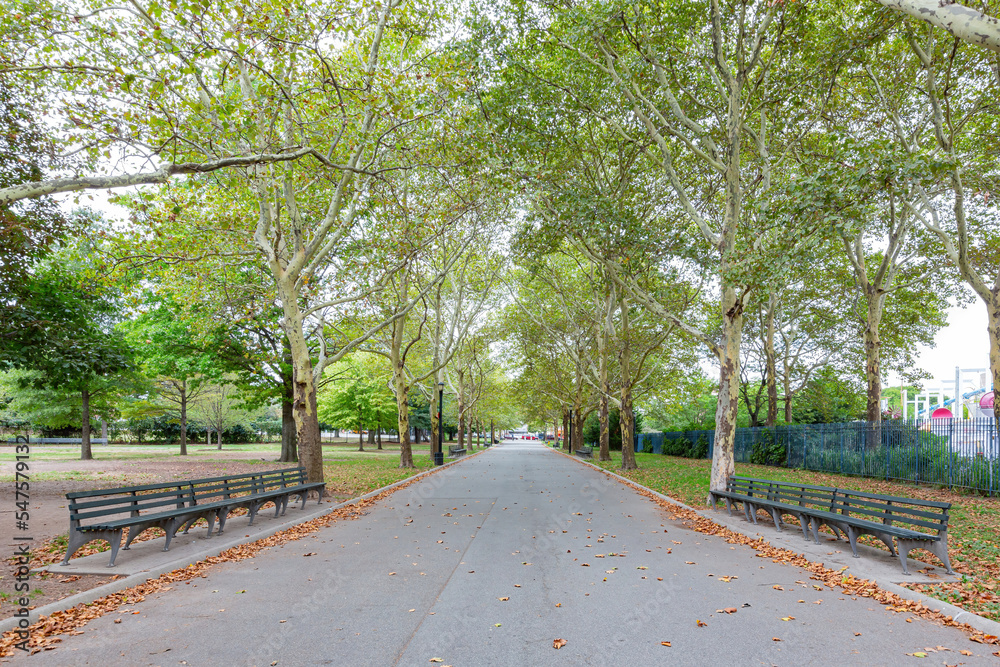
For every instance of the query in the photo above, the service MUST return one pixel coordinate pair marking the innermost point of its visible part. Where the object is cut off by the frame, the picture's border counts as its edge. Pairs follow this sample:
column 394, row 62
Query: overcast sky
column 963, row 343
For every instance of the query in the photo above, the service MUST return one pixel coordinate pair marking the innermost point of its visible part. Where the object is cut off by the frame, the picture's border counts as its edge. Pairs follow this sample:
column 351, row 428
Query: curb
column 957, row 614
column 86, row 597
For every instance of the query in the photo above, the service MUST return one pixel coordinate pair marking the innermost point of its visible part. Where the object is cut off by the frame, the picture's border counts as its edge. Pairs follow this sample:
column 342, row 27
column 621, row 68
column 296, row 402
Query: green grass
column 973, row 530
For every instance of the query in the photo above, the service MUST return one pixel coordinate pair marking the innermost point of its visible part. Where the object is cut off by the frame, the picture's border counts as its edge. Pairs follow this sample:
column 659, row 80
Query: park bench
column 848, row 513
column 454, row 451
column 585, row 452
column 104, row 513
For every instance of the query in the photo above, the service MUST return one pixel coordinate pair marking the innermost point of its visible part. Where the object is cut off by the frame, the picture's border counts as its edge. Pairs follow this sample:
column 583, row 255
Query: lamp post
column 439, row 454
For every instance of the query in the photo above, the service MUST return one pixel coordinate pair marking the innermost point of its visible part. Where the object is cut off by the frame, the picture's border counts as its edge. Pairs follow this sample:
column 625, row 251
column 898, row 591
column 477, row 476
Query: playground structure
column 961, row 399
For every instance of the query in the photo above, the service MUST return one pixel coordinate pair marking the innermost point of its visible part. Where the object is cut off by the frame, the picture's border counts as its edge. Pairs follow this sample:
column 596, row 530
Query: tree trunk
column 403, row 407
column 626, row 418
column 307, row 422
column 993, row 329
column 85, row 452
column 218, row 438
column 182, row 390
column 378, row 436
column 371, row 436
column 361, row 435
column 723, row 458
column 460, row 404
column 289, row 452
column 873, row 355
column 770, row 369
column 566, row 433
column 788, row 398
column 104, row 431
column 604, row 453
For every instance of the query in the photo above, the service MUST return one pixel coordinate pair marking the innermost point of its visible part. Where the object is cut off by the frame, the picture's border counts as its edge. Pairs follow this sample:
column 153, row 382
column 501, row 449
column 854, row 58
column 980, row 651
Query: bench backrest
column 804, row 495
column 128, row 501
column 923, row 515
column 151, row 498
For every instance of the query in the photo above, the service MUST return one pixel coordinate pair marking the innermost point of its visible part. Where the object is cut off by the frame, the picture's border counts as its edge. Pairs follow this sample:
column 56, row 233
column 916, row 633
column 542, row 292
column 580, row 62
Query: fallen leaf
column 775, row 639
column 689, row 562
column 964, row 652
column 391, row 573
column 642, row 567
column 788, row 618
column 436, row 660
column 558, row 604
column 664, row 643
column 503, row 599
column 777, row 587
column 857, row 634
column 517, row 585
column 918, row 654
column 118, row 620
column 558, row 643
column 311, row 553
column 700, row 623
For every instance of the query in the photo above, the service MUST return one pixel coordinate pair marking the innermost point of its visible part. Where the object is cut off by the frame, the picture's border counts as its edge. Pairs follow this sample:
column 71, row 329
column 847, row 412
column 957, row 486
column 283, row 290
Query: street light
column 439, row 454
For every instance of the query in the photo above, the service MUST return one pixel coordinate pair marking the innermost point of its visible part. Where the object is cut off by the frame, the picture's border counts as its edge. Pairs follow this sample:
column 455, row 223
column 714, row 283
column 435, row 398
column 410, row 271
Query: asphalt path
column 487, row 563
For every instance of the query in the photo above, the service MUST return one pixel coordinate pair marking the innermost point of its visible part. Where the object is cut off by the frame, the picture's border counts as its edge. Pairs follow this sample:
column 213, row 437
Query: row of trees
column 761, row 182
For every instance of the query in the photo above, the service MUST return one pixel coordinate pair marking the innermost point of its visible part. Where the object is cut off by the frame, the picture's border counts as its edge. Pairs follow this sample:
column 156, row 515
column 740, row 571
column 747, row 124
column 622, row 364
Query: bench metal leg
column 852, row 536
column 814, row 528
column 776, row 515
column 222, row 515
column 937, row 547
column 115, row 543
column 79, row 538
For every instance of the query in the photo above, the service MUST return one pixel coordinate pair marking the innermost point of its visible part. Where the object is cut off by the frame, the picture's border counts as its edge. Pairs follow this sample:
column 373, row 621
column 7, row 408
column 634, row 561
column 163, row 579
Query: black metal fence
column 950, row 452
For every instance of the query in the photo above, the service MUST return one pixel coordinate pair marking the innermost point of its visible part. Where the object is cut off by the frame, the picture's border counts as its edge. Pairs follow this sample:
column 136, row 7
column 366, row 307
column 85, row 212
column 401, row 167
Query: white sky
column 964, row 343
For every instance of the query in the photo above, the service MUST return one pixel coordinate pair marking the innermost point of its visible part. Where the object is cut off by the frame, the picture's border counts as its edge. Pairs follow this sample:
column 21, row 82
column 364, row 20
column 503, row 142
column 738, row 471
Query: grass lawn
column 973, row 531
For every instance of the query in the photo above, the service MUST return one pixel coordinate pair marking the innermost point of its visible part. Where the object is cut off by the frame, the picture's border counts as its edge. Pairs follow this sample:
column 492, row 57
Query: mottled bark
column 993, row 329
column 289, row 451
column 626, row 418
column 85, row 451
column 604, row 453
column 567, row 436
column 723, row 459
column 873, row 355
column 770, row 367
column 182, row 394
column 967, row 24
column 403, row 407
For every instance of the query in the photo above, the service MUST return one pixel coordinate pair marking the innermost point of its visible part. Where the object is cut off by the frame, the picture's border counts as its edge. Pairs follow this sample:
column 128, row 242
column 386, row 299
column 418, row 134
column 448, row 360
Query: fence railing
column 957, row 453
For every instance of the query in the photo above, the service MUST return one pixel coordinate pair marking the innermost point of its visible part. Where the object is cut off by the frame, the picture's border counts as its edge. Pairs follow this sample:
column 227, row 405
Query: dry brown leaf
column 503, row 599
column 558, row 643
column 700, row 623
column 664, row 643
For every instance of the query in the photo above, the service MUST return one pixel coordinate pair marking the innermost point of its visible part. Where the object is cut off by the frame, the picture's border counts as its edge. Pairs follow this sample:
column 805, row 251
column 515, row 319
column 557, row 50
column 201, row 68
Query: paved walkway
column 489, row 561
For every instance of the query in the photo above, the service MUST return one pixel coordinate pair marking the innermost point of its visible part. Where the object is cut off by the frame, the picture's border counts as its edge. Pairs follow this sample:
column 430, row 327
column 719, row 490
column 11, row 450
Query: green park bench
column 585, row 452
column 103, row 514
column 848, row 513
column 454, row 451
